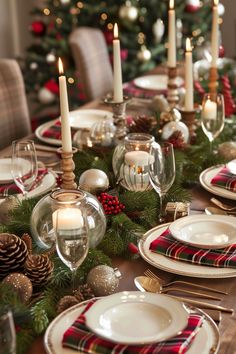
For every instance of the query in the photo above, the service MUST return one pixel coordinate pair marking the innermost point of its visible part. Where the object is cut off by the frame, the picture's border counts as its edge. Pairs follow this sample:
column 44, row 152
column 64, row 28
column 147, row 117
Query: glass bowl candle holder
column 41, row 222
column 130, row 162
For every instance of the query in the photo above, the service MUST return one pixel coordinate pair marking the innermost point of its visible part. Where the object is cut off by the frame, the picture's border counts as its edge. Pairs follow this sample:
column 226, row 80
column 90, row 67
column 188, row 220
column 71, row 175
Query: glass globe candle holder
column 130, row 162
column 41, row 222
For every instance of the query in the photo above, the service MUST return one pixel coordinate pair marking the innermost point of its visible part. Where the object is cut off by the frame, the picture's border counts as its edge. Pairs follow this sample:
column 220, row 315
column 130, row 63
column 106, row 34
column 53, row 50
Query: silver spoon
column 149, row 283
column 150, row 286
column 217, row 211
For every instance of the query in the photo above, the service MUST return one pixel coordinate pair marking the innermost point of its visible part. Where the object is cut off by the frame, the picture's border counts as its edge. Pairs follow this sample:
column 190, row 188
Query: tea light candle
column 137, row 158
column 65, row 121
column 209, row 110
column 118, row 89
column 188, row 77
column 215, row 35
column 67, row 219
column 171, row 62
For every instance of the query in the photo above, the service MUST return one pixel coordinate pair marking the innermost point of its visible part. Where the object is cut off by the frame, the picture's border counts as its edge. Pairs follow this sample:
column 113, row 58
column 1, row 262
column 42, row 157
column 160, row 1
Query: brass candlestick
column 188, row 117
column 119, row 117
column 68, row 166
column 172, row 93
column 213, row 80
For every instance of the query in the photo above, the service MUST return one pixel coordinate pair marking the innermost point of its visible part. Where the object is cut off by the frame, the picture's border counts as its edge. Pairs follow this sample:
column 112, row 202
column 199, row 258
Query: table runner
column 225, row 179
column 166, row 245
column 79, row 337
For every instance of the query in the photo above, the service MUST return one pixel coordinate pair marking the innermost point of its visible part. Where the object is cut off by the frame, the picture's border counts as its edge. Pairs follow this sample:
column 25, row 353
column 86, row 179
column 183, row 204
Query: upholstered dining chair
column 92, row 62
column 14, row 114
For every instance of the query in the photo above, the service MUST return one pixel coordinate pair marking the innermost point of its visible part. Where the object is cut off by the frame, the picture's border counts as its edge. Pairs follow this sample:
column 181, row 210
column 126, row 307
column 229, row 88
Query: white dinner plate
column 5, row 169
column 231, row 165
column 175, row 266
column 205, row 180
column 154, row 82
column 205, row 342
column 205, row 231
column 162, row 317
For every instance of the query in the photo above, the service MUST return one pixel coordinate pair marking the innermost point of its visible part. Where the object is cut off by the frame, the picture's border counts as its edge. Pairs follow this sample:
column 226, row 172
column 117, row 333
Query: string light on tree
column 50, row 58
column 144, row 54
column 128, row 12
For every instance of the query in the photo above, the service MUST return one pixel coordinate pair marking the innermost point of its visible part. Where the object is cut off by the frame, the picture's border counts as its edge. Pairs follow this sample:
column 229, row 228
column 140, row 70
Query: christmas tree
column 142, row 29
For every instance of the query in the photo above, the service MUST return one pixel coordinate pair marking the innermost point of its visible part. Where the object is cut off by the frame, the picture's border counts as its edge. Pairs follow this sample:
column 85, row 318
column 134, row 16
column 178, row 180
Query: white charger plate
column 205, row 180
column 154, row 82
column 205, row 342
column 5, row 169
column 205, row 231
column 161, row 317
column 178, row 267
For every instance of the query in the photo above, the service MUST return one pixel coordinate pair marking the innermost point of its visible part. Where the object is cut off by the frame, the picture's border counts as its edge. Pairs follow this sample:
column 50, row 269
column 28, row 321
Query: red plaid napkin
column 166, row 245
column 54, row 131
column 131, row 90
column 79, row 337
column 225, row 179
column 9, row 189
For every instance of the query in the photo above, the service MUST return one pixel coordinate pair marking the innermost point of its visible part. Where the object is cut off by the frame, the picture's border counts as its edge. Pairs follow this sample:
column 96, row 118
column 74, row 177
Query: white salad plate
column 154, row 82
column 5, row 169
column 162, row 317
column 175, row 266
column 205, row 180
column 205, row 342
column 231, row 165
column 205, row 231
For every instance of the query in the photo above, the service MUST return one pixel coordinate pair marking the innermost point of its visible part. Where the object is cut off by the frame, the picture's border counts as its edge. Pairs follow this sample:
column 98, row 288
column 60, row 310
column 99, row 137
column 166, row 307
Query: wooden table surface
column 130, row 269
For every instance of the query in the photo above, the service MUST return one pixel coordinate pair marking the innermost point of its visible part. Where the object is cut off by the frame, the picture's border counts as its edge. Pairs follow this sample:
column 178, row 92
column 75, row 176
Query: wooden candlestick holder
column 188, row 117
column 213, row 80
column 172, row 93
column 68, row 166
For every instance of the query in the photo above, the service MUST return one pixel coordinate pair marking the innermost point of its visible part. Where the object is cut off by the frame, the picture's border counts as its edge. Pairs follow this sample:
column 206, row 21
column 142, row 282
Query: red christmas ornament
column 230, row 106
column 38, row 28
column 192, row 6
column 133, row 248
column 198, row 87
column 52, row 86
column 221, row 51
column 111, row 204
column 124, row 54
column 108, row 37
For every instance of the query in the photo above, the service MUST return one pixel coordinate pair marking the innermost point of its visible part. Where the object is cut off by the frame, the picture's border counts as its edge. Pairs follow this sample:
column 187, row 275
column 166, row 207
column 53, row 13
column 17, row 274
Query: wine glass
column 162, row 171
column 212, row 116
column 72, row 242
column 24, row 166
column 7, row 333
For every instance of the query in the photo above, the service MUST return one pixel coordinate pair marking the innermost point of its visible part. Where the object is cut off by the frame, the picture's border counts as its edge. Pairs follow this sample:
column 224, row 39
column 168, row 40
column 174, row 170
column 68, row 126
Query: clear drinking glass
column 162, row 171
column 72, row 242
column 212, row 115
column 24, row 167
column 7, row 333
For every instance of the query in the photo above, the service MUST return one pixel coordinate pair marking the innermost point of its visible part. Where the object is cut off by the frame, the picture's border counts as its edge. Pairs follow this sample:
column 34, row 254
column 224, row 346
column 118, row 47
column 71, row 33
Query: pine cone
column 142, row 124
column 38, row 268
column 13, row 253
column 84, row 292
column 65, row 302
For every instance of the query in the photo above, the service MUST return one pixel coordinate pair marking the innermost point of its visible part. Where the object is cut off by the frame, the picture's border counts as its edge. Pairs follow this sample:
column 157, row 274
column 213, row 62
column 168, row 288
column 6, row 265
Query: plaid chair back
column 14, row 115
column 92, row 62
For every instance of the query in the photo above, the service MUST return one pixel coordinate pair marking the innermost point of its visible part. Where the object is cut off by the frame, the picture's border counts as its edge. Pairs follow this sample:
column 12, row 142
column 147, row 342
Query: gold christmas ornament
column 21, row 284
column 128, row 12
column 228, row 150
column 144, row 54
column 103, row 280
column 94, row 181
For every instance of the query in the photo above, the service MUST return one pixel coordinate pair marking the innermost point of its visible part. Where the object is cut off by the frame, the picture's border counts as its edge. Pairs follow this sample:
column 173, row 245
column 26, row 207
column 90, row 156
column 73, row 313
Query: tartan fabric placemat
column 54, row 131
column 225, row 179
column 131, row 90
column 166, row 245
column 12, row 188
column 79, row 337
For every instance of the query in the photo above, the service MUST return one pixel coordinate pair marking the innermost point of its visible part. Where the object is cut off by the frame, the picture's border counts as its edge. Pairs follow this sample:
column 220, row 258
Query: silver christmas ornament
column 94, row 181
column 158, row 30
column 45, row 96
column 103, row 280
column 102, row 133
column 144, row 54
column 33, row 66
column 175, row 125
column 50, row 58
column 128, row 12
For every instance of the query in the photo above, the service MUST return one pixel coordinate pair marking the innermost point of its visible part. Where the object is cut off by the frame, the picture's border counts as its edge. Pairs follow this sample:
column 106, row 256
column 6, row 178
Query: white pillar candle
column 189, row 102
column 137, row 158
column 65, row 121
column 215, row 35
column 118, row 89
column 67, row 219
column 171, row 62
column 209, row 110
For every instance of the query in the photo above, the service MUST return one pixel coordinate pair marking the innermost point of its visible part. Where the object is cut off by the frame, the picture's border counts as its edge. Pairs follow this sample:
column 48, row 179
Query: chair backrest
column 92, row 62
column 14, row 114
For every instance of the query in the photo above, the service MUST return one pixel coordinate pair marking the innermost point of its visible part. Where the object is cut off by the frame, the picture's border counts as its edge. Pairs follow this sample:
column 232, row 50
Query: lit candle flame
column 171, row 4
column 216, row 2
column 188, row 45
column 60, row 66
column 116, row 33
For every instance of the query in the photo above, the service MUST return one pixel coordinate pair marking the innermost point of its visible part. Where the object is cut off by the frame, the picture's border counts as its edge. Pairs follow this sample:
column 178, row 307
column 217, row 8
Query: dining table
column 129, row 269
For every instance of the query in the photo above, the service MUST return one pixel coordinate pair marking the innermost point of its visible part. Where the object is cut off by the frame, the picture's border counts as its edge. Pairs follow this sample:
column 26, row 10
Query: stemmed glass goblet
column 72, row 243
column 161, row 171
column 24, row 166
column 212, row 115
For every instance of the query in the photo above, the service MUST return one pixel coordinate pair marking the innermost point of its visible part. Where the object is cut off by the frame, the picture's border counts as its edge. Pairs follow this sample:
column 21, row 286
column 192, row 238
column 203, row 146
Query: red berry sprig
column 111, row 204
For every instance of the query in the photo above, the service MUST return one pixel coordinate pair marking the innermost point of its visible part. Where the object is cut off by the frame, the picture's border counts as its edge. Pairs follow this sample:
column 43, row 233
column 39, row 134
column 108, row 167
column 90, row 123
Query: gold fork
column 164, row 284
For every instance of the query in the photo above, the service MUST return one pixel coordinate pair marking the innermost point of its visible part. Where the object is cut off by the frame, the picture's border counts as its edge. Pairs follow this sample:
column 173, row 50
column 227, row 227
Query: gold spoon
column 156, row 287
column 149, row 285
column 222, row 205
